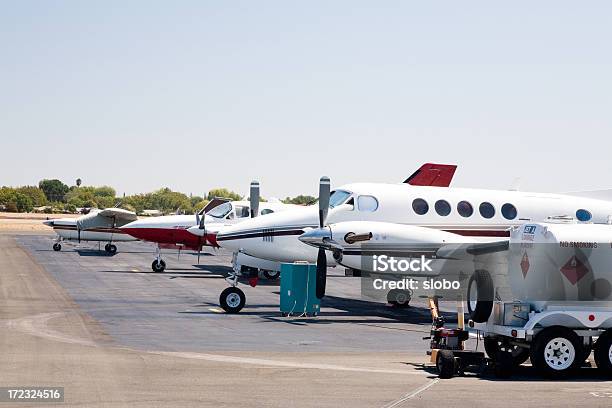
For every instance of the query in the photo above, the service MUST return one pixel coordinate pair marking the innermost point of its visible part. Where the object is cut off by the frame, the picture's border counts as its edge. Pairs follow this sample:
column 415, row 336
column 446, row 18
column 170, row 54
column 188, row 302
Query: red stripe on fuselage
column 172, row 236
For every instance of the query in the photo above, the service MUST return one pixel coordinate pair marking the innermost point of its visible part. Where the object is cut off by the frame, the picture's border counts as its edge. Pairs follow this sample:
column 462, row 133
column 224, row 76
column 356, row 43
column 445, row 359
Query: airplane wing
column 471, row 250
column 432, row 174
column 119, row 214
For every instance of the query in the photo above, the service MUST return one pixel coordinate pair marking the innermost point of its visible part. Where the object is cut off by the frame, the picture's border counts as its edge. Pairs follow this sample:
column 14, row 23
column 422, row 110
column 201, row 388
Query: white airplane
column 454, row 214
column 195, row 232
column 98, row 225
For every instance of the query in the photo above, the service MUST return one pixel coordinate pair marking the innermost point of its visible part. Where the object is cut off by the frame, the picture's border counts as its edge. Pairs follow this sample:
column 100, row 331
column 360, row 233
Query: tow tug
column 447, row 349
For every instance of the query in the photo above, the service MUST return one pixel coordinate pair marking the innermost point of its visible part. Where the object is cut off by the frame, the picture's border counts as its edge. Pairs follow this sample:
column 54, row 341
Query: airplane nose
column 320, row 238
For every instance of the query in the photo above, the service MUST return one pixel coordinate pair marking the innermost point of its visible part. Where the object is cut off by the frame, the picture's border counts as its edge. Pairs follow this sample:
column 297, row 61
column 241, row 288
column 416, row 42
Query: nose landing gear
column 158, row 264
column 233, row 299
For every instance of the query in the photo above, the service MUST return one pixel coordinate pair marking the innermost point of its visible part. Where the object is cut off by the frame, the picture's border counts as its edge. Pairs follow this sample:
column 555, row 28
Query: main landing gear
column 158, row 264
column 110, row 249
column 271, row 275
column 57, row 246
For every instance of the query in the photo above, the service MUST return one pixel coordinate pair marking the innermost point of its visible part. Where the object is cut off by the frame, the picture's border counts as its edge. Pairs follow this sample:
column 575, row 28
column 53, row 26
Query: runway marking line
column 412, row 394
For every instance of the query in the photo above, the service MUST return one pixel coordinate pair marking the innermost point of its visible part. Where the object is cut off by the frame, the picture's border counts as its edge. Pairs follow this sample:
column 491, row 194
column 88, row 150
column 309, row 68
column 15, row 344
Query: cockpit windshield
column 338, row 197
column 220, row 211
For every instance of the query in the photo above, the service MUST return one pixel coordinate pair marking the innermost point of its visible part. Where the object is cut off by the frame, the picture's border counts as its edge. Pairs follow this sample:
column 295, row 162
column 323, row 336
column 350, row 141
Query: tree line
column 55, row 196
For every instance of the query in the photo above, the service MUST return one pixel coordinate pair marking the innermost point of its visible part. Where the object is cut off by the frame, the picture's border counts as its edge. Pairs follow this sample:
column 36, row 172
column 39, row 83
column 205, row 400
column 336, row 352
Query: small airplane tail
column 432, row 174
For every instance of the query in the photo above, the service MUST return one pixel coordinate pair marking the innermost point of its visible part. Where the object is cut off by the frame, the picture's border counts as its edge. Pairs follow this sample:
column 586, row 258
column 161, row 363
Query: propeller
column 254, row 198
column 324, row 191
column 78, row 227
column 200, row 221
column 321, row 238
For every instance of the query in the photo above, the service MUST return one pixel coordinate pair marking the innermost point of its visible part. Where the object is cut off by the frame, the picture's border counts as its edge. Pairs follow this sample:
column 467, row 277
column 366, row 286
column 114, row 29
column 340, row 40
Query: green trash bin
column 298, row 289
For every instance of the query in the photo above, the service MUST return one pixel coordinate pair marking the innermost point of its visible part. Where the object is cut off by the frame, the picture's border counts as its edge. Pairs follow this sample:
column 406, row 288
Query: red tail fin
column 431, row 174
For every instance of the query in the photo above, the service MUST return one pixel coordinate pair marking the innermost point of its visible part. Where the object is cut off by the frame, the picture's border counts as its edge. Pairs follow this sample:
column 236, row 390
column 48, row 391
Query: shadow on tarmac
column 524, row 372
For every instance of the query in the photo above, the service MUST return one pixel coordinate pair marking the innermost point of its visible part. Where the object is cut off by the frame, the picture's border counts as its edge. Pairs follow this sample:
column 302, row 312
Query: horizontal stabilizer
column 432, row 174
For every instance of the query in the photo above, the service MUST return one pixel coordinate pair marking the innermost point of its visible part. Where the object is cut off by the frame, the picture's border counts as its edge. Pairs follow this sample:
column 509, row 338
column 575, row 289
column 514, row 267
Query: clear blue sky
column 196, row 94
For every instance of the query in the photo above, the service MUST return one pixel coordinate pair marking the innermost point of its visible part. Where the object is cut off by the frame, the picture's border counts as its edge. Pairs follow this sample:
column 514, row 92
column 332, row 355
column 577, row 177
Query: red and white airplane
column 195, row 232
column 482, row 215
column 98, row 225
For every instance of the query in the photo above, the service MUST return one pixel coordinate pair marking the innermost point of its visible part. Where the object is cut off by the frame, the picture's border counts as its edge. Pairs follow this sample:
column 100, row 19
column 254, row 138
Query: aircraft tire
column 232, row 300
column 110, row 249
column 399, row 298
column 57, row 246
column 271, row 275
column 158, row 267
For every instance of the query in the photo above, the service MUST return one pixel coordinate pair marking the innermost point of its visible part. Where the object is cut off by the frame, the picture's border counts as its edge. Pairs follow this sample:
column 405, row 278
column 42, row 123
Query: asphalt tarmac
column 114, row 333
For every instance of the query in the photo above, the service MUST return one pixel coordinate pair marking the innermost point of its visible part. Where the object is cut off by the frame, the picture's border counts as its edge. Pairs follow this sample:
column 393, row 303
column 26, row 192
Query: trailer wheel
column 504, row 364
column 603, row 352
column 445, row 363
column 232, row 300
column 556, row 352
column 493, row 346
column 480, row 296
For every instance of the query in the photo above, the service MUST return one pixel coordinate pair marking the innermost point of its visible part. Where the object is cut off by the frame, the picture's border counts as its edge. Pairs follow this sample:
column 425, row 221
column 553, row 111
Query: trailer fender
column 570, row 319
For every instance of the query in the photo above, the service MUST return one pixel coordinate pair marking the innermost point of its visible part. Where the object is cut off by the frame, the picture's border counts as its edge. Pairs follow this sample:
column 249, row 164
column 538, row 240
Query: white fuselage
column 275, row 237
column 66, row 229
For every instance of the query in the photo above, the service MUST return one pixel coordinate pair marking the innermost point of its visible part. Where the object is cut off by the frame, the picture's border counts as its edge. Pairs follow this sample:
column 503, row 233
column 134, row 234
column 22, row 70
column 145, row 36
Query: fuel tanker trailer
column 559, row 306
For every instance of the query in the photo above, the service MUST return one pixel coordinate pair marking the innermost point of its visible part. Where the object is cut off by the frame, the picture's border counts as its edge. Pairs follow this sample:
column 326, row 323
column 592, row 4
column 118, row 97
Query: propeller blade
column 324, row 187
column 197, row 218
column 254, row 198
column 201, row 222
column 321, row 273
